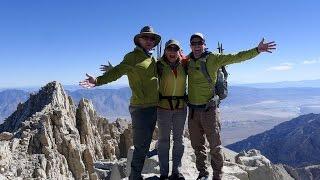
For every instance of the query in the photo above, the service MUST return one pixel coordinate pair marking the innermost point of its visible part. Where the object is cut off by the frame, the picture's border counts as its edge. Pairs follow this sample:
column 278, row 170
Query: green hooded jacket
column 199, row 90
column 142, row 75
column 172, row 85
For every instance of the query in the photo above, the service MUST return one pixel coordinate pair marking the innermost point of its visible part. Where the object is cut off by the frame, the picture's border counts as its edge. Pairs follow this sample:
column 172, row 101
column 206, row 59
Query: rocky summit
column 250, row 165
column 49, row 137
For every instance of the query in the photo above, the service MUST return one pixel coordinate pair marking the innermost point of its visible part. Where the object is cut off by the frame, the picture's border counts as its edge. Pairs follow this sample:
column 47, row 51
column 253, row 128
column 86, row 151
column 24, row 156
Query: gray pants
column 143, row 124
column 170, row 120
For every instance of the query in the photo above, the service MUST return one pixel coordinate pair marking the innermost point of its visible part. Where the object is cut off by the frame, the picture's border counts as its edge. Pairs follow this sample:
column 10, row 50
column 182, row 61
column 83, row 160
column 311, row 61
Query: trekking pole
column 159, row 50
column 220, row 49
column 223, row 68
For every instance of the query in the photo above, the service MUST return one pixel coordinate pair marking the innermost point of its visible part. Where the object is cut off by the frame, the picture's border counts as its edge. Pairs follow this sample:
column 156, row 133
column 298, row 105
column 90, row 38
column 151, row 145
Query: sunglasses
column 150, row 38
column 194, row 43
column 172, row 48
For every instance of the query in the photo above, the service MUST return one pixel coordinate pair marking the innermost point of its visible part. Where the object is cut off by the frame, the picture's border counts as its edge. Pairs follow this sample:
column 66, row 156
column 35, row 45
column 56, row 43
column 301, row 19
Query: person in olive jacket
column 172, row 109
column 204, row 118
column 140, row 67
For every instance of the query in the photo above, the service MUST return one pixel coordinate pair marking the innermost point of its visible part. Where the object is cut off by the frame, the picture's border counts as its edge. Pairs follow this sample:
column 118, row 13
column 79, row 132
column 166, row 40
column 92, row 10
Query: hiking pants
column 171, row 120
column 203, row 123
column 143, row 124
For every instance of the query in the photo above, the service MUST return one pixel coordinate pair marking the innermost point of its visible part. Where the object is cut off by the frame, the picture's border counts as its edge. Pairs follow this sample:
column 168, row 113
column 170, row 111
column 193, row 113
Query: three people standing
column 159, row 94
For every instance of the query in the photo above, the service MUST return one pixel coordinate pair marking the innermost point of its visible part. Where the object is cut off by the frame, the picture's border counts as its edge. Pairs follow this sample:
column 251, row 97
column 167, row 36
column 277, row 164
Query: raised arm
column 246, row 55
column 105, row 68
column 114, row 73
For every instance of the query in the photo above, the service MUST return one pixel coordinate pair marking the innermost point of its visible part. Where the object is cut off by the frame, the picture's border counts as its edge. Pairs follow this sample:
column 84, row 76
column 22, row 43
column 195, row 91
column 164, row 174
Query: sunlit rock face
column 49, row 137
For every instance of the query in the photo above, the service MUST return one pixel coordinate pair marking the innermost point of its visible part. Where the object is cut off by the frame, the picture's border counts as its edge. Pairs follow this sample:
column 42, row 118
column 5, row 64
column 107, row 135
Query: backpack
column 221, row 86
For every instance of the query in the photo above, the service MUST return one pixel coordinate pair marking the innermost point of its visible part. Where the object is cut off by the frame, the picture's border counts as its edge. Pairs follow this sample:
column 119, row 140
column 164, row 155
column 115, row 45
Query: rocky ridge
column 48, row 137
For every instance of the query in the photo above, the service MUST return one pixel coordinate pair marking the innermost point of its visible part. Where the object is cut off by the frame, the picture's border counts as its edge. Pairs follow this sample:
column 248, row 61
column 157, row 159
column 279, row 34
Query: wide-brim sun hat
column 147, row 30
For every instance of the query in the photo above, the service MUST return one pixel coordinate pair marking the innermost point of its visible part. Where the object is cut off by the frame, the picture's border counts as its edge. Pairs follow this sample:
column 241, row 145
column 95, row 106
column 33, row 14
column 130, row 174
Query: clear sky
column 42, row 40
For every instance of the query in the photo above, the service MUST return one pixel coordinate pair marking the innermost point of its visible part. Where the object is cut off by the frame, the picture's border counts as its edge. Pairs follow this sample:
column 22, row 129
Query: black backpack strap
column 170, row 103
column 170, row 98
column 159, row 68
column 204, row 70
column 214, row 101
column 225, row 73
column 178, row 103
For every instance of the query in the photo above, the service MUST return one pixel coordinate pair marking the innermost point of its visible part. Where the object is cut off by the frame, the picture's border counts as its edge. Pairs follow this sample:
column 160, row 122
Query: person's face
column 147, row 42
column 197, row 46
column 172, row 53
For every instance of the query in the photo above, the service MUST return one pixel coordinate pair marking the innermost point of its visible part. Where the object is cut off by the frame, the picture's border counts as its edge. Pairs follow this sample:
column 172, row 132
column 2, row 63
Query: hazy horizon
column 124, row 83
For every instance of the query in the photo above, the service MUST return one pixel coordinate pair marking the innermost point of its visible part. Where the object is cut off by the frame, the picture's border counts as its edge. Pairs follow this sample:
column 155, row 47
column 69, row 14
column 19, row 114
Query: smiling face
column 172, row 53
column 147, row 42
column 197, row 46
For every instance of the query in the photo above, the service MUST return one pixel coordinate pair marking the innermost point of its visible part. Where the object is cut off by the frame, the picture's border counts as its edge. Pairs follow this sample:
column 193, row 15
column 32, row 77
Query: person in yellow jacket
column 204, row 118
column 172, row 109
column 140, row 67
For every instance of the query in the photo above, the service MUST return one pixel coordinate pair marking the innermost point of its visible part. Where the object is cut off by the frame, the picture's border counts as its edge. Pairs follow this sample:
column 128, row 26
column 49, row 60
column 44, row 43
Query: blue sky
column 42, row 40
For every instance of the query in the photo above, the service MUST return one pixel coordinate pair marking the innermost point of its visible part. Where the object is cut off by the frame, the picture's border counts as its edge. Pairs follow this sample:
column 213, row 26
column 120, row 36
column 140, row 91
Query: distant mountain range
column 114, row 102
column 9, row 100
column 259, row 109
column 69, row 88
column 295, row 142
column 284, row 84
column 111, row 103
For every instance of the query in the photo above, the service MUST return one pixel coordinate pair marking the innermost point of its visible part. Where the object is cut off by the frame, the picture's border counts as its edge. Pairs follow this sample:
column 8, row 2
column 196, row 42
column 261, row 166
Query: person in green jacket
column 140, row 67
column 204, row 118
column 172, row 109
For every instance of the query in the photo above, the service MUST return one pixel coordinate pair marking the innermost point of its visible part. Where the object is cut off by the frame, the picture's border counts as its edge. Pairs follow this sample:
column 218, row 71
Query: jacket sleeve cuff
column 257, row 50
column 98, row 81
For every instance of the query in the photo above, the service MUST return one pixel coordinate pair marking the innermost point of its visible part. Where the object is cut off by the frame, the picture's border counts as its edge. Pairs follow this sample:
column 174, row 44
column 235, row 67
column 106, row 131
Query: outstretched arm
column 114, row 73
column 106, row 68
column 111, row 74
column 245, row 55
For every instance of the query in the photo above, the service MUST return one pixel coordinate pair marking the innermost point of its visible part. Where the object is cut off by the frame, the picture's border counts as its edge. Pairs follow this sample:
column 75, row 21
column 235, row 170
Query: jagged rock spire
column 51, row 95
column 48, row 137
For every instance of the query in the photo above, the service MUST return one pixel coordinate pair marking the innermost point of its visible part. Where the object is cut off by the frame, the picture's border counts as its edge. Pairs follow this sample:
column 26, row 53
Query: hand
column 266, row 47
column 90, row 82
column 181, row 55
column 106, row 68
